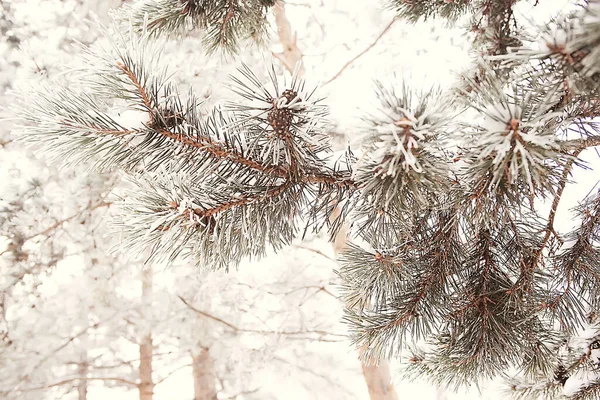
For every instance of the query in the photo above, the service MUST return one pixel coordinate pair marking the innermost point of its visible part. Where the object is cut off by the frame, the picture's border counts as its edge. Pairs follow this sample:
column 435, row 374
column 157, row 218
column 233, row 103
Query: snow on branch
column 225, row 23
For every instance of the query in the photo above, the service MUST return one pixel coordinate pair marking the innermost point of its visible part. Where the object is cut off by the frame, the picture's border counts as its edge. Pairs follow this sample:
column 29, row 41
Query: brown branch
column 226, row 19
column 576, row 146
column 139, row 87
column 79, row 378
column 554, row 207
column 210, row 316
column 238, row 329
column 338, row 179
column 362, row 53
column 189, row 5
column 269, row 194
column 209, row 146
column 199, row 142
column 319, row 252
column 580, row 144
column 62, row 221
column 164, row 378
column 218, row 151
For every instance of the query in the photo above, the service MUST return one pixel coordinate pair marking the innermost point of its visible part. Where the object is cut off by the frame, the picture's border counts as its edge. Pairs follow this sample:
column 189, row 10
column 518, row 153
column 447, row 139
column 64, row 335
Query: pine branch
column 554, row 207
column 210, row 212
column 414, row 10
column 578, row 270
column 205, row 144
column 589, row 391
column 226, row 23
column 578, row 145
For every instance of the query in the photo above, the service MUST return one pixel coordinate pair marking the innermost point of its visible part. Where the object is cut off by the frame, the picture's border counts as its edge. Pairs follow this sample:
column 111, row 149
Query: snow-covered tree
column 449, row 198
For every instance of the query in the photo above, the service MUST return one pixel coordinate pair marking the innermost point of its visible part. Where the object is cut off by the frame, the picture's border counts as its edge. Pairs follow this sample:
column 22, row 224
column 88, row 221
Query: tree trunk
column 83, row 367
column 82, row 370
column 291, row 55
column 204, row 377
column 377, row 377
column 146, row 386
column 379, row 381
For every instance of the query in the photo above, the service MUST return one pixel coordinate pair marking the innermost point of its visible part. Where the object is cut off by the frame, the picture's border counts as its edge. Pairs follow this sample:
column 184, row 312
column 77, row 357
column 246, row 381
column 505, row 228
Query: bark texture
column 379, row 381
column 204, row 376
column 82, row 371
column 146, row 386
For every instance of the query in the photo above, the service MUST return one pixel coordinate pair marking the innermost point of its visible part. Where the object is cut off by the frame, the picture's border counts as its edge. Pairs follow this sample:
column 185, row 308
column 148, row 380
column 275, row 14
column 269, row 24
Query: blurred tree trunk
column 204, row 376
column 146, row 386
column 379, row 381
column 291, row 54
column 377, row 377
column 82, row 370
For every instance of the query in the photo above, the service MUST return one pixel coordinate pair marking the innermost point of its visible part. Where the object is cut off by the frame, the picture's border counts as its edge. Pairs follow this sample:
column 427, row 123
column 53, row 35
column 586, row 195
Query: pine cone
column 280, row 120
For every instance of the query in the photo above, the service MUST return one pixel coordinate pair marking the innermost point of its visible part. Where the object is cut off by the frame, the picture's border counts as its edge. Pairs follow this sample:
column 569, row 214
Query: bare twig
column 362, row 53
column 3, row 143
column 311, row 372
column 79, row 378
column 164, row 378
column 62, row 221
column 554, row 207
column 238, row 329
column 319, row 252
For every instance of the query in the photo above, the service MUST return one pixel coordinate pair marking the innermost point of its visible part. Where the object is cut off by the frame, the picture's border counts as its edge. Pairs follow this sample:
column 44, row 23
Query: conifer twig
column 207, row 145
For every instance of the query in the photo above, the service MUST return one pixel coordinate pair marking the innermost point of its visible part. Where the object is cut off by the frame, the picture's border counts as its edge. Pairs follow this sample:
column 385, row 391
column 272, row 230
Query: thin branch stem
column 80, row 378
column 139, row 87
column 164, row 378
column 62, row 221
column 555, row 203
column 362, row 53
column 238, row 329
column 319, row 252
column 581, row 144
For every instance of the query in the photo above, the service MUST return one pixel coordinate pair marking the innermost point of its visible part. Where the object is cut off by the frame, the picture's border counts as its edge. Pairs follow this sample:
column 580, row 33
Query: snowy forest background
column 73, row 309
